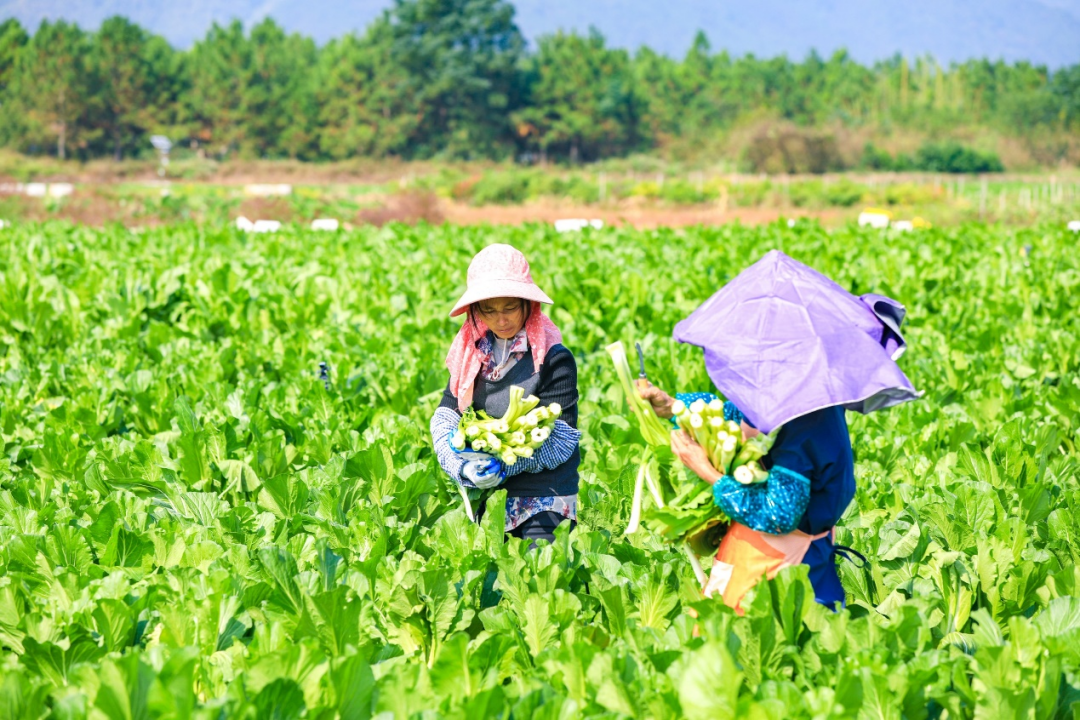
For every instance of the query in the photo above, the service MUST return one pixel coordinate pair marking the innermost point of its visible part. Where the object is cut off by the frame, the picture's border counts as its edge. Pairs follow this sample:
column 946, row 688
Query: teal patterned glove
column 773, row 506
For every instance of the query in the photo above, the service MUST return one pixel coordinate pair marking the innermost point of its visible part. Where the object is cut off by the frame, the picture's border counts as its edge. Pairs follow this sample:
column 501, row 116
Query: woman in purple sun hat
column 789, row 349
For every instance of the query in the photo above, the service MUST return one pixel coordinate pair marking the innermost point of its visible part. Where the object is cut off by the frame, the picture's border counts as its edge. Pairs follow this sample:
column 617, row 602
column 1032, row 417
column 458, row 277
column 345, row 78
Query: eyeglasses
column 490, row 312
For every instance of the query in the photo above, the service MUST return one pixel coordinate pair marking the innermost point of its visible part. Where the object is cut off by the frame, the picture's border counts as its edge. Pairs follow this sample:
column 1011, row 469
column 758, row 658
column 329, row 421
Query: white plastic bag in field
column 874, row 220
column 266, row 226
column 268, row 190
column 576, row 224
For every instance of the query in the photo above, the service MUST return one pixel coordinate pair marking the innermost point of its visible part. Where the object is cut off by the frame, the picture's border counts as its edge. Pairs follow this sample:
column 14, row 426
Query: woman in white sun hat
column 507, row 340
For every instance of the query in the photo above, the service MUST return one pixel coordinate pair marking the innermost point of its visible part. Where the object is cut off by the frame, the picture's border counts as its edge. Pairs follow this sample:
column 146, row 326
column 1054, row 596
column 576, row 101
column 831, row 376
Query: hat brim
column 497, row 289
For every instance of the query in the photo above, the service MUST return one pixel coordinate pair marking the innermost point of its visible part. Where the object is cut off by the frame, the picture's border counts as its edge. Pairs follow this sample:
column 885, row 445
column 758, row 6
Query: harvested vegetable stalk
column 655, row 432
column 518, row 433
column 692, row 517
column 653, row 429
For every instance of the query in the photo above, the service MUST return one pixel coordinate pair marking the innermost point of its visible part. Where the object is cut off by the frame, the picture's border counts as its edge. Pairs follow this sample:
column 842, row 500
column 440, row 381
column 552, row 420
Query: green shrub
column 685, row 192
column 791, row 149
column 579, row 188
column 750, row 194
column 648, row 189
column 952, row 157
column 874, row 158
column 509, row 187
column 947, row 157
column 844, row 193
column 910, row 194
column 805, row 194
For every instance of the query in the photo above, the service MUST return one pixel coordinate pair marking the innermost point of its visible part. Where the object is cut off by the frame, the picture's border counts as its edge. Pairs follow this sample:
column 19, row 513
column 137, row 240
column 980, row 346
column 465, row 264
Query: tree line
column 456, row 79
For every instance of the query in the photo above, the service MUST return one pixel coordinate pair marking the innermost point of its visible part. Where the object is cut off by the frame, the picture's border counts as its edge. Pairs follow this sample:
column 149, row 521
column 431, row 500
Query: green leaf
column 56, row 663
column 539, row 631
column 708, row 683
column 614, row 606
column 285, row 495
column 336, row 615
column 21, row 699
column 115, row 622
column 1061, row 617
column 450, row 675
column 124, row 692
column 192, row 463
column 655, row 601
column 239, row 476
column 899, row 540
column 354, row 687
column 281, row 699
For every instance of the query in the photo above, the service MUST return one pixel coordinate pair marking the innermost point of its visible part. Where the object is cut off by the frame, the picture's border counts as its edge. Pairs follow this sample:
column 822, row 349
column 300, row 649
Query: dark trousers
column 540, row 527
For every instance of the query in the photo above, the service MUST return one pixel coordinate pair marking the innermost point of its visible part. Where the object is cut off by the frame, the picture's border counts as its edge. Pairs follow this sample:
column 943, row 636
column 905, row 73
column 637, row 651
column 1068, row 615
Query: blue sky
column 1042, row 31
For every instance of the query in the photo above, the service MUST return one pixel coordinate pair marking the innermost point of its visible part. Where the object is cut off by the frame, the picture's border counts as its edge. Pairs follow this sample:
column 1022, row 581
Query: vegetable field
column 194, row 524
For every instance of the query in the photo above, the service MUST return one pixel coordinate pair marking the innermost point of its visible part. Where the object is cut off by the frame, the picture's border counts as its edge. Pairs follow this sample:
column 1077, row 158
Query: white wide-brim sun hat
column 499, row 271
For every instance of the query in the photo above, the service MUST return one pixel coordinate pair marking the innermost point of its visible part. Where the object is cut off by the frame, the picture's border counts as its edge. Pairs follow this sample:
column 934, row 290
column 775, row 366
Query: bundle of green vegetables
column 518, row 433
column 723, row 440
column 524, row 427
column 692, row 516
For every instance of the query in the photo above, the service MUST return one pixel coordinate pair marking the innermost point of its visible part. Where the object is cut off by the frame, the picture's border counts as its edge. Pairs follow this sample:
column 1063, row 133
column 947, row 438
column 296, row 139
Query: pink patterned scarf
column 464, row 359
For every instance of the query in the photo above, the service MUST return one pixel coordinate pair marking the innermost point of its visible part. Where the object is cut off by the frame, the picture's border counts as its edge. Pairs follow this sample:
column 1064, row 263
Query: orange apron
column 745, row 556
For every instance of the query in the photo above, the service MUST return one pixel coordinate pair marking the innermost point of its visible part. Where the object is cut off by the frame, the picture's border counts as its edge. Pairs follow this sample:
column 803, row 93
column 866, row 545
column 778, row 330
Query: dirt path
column 638, row 217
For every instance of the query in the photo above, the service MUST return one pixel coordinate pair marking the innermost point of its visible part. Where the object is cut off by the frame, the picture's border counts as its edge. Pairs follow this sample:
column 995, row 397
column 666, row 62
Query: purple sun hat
column 782, row 340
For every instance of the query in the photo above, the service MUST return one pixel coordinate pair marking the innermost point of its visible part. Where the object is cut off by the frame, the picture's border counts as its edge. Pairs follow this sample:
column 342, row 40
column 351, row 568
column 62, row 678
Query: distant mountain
column 1041, row 31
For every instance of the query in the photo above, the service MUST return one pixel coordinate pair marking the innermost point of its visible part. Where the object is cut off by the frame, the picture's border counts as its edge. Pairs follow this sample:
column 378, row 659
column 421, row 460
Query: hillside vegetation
column 455, row 79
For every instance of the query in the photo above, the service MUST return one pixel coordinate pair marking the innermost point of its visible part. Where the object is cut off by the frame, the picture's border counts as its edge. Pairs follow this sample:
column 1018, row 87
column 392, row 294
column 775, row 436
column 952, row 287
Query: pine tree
column 130, row 63
column 220, row 71
column 13, row 39
column 278, row 99
column 461, row 58
column 50, row 83
column 366, row 104
column 583, row 103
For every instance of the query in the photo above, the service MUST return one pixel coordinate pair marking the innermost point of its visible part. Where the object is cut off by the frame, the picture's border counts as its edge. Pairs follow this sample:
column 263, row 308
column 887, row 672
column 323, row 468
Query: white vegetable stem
column 468, row 505
column 696, row 564
column 635, row 507
column 644, row 477
column 653, row 487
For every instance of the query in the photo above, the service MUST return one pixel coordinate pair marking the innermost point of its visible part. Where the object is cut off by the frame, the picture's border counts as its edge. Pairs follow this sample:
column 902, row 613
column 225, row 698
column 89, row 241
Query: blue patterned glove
column 480, row 470
column 485, row 474
column 774, row 506
column 732, row 413
column 484, row 471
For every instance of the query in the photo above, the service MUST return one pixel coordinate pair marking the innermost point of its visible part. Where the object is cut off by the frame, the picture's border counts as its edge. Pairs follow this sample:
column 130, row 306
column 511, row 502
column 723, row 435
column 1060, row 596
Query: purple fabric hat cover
column 782, row 340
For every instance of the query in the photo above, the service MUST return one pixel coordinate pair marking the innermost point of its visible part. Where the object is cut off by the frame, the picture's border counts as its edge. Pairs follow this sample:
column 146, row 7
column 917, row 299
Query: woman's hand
column 661, row 402
column 484, row 471
column 694, row 456
column 748, row 432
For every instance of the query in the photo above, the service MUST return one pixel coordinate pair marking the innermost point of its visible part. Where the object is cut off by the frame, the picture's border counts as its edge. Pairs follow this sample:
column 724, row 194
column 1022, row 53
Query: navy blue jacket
column 818, row 447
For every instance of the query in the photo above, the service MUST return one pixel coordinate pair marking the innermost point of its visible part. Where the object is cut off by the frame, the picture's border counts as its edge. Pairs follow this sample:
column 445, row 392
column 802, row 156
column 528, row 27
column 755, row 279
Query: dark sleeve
column 558, row 383
column 449, row 400
column 817, row 446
